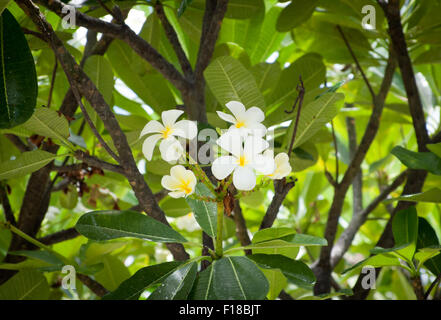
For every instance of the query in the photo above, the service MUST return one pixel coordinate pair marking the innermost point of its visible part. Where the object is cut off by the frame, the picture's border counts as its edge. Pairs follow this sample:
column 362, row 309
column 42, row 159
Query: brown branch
column 323, row 268
column 7, row 209
column 334, row 138
column 93, row 285
column 17, row 142
column 123, row 32
column 359, row 218
column 214, row 14
column 86, row 87
column 51, row 90
column 281, row 190
column 174, row 40
column 59, row 236
column 392, row 12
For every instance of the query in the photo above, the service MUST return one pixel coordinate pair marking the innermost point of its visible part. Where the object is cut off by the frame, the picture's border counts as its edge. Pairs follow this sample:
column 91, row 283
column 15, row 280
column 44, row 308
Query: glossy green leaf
column 314, row 116
column 18, row 78
column 230, row 278
column 25, row 285
column 435, row 148
column 432, row 195
column 106, row 225
column 418, row 160
column 277, row 282
column 295, row 271
column 132, row 288
column 48, row 123
column 379, row 260
column 25, row 163
column 228, row 79
column 243, row 9
column 297, row 12
column 177, row 286
column 204, row 212
column 427, row 238
column 405, row 231
column 113, row 273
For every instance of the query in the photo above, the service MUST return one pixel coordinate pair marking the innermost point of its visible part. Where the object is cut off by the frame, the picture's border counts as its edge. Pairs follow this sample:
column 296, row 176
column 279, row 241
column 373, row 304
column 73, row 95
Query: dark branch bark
column 94, row 286
column 174, row 40
column 87, row 88
column 281, row 190
column 346, row 238
column 241, row 226
column 17, row 142
column 323, row 267
column 59, row 236
column 7, row 210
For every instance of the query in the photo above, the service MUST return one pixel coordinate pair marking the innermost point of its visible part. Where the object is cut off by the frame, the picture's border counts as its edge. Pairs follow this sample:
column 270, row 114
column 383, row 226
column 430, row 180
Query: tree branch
column 174, row 40
column 59, row 236
column 7, row 210
column 86, row 87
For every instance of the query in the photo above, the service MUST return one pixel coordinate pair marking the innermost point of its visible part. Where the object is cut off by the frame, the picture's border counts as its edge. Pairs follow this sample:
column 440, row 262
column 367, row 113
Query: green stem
column 35, row 242
column 220, row 223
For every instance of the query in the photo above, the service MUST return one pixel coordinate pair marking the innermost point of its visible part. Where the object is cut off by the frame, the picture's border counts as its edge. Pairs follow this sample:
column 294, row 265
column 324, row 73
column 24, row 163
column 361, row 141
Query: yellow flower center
column 240, row 124
column 166, row 132
column 185, row 187
column 242, row 161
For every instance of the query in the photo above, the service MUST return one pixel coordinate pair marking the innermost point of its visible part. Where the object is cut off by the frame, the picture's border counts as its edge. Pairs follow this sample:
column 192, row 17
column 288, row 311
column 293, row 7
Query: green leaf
column 230, row 278
column 295, row 271
column 18, row 78
column 48, row 123
column 277, row 282
column 5, row 240
column 113, row 273
column 3, row 5
column 379, row 260
column 418, row 160
column 314, row 116
column 106, row 225
column 427, row 238
column 175, row 207
column 100, row 72
column 25, row 163
column 228, row 79
column 205, row 212
column 425, row 254
column 132, row 288
column 405, row 231
column 271, row 234
column 183, row 6
column 178, row 285
column 433, row 195
column 45, row 256
column 243, row 9
column 25, row 285
column 297, row 12
column 435, row 148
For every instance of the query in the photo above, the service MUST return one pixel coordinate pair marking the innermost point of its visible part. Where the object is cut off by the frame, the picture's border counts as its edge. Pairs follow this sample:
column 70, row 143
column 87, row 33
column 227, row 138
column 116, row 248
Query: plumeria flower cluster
column 245, row 153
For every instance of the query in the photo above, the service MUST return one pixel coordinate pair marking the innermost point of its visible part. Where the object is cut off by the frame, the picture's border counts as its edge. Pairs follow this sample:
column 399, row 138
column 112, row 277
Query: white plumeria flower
column 187, row 222
column 181, row 182
column 246, row 158
column 282, row 165
column 247, row 121
column 171, row 149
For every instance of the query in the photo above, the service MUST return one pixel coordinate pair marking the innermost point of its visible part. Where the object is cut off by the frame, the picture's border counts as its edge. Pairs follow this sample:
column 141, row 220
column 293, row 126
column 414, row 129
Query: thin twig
column 433, row 285
column 51, row 90
column 299, row 99
column 371, row 90
column 336, row 152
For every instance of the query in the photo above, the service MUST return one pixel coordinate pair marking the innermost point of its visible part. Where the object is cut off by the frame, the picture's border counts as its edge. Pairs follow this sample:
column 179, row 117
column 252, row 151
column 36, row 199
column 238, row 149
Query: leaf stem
column 220, row 223
column 35, row 242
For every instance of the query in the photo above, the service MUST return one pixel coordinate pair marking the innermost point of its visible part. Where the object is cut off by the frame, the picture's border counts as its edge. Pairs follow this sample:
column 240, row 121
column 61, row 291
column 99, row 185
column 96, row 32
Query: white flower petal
column 237, row 109
column 244, row 178
column 169, row 117
column 178, row 172
column 171, row 149
column 149, row 145
column 170, row 183
column 254, row 145
column 227, row 117
column 263, row 164
column 152, row 126
column 232, row 142
column 177, row 194
column 254, row 114
column 256, row 129
column 223, row 166
column 186, row 129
